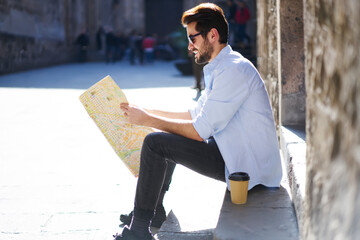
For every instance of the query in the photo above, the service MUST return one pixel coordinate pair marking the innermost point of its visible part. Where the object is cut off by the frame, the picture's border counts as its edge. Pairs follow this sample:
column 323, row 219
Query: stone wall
column 268, row 54
column 280, row 58
column 23, row 52
column 31, row 34
column 317, row 44
column 292, row 77
column 125, row 15
column 37, row 33
column 332, row 42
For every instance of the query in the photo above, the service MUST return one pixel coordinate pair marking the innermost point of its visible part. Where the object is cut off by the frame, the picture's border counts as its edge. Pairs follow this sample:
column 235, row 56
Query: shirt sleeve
column 229, row 90
column 196, row 110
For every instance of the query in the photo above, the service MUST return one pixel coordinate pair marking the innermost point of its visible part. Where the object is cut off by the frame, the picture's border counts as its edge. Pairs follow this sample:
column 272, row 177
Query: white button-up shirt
column 235, row 110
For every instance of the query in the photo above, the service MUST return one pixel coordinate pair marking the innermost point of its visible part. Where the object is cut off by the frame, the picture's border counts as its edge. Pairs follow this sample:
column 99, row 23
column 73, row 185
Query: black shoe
column 157, row 221
column 129, row 235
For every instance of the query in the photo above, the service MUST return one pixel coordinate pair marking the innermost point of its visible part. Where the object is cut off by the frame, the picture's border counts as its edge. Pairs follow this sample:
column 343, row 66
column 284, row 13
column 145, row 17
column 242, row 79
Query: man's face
column 201, row 47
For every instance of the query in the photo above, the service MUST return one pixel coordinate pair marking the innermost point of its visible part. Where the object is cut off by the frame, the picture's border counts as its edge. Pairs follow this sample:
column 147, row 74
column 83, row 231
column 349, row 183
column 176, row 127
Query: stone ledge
column 268, row 214
column 293, row 148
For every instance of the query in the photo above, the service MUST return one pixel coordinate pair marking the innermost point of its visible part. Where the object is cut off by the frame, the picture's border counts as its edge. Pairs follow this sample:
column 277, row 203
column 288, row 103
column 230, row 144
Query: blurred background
column 38, row 33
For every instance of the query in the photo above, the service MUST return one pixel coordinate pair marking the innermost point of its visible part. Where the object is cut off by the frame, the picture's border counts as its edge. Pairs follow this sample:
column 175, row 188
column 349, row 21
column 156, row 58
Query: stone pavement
column 59, row 177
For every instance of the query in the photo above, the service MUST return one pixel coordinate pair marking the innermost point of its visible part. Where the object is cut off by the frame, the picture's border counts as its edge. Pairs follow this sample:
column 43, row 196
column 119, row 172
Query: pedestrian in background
column 83, row 42
column 110, row 42
column 132, row 47
column 99, row 34
column 148, row 45
column 136, row 48
column 242, row 16
column 198, row 74
column 139, row 50
column 230, row 17
column 123, row 42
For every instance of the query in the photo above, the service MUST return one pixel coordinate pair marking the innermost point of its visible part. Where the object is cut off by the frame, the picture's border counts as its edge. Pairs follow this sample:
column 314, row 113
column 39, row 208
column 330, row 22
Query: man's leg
column 158, row 151
column 160, row 213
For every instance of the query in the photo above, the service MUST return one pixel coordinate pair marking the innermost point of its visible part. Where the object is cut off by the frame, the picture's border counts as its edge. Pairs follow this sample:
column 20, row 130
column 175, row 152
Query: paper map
column 102, row 102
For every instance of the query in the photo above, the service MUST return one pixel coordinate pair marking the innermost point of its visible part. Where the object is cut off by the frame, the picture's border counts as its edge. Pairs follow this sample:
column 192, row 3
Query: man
column 230, row 130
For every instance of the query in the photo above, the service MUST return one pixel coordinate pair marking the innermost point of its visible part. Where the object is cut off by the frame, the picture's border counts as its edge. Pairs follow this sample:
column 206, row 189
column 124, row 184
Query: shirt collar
column 213, row 64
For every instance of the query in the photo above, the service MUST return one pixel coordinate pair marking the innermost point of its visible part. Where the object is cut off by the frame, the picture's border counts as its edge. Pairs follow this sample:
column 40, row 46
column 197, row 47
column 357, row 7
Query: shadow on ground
column 171, row 229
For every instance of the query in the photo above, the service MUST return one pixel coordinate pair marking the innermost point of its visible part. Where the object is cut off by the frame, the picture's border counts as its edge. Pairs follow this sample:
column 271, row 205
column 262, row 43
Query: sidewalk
column 60, row 179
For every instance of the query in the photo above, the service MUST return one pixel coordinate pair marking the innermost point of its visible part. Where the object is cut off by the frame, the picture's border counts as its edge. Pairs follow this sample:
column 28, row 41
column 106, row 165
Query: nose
column 190, row 46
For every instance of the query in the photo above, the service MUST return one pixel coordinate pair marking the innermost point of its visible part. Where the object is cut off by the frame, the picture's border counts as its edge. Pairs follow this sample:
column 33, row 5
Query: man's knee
column 154, row 142
column 154, row 139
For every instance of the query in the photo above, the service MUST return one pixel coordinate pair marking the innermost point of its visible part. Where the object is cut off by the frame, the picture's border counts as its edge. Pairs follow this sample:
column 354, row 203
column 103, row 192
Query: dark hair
column 207, row 16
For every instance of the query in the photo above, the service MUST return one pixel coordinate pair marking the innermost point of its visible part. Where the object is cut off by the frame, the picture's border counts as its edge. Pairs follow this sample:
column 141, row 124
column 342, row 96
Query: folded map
column 102, row 102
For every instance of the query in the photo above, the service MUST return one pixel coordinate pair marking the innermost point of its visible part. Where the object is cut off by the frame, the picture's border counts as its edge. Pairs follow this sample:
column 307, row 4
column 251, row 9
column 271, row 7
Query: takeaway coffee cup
column 239, row 183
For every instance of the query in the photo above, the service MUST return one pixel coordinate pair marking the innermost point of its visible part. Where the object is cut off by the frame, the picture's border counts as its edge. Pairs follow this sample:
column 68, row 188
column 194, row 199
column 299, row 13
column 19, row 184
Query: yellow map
column 102, row 102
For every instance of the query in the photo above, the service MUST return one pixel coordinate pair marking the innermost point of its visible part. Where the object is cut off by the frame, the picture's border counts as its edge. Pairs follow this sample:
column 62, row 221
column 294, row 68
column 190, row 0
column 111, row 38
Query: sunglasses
column 192, row 37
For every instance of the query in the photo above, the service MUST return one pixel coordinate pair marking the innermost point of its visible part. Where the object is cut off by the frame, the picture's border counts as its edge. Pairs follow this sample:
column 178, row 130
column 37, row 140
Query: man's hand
column 182, row 126
column 134, row 114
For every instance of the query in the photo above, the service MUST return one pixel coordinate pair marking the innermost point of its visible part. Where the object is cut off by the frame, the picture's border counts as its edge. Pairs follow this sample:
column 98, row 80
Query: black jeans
column 159, row 155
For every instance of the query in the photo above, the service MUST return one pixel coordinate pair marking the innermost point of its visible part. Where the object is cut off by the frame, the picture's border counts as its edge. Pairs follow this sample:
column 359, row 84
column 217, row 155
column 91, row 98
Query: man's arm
column 183, row 127
column 172, row 115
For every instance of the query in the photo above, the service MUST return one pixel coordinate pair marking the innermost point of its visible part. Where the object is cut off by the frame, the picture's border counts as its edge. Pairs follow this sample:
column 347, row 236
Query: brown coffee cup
column 239, row 183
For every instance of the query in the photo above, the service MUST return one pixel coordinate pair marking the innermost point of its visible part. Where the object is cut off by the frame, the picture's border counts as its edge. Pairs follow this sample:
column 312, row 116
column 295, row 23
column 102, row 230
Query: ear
column 213, row 35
